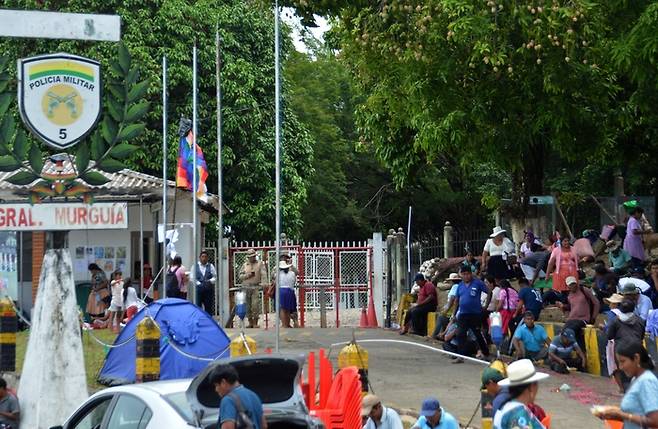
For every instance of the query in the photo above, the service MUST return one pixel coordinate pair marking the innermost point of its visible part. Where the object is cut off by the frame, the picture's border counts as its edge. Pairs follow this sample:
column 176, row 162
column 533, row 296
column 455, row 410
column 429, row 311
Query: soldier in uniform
column 253, row 278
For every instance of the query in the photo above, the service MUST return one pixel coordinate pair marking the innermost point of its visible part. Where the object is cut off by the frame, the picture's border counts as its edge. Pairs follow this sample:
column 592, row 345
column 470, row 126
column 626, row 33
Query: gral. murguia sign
column 59, row 97
column 63, row 216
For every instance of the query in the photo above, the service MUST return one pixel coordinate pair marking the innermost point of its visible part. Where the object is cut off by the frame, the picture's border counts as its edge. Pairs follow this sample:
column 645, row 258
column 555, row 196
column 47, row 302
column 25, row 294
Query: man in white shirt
column 206, row 277
column 376, row 416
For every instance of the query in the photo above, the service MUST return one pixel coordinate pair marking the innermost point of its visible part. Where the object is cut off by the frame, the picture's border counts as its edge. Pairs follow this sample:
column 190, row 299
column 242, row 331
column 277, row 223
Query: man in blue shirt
column 432, row 416
column 470, row 308
column 530, row 340
column 529, row 299
column 235, row 398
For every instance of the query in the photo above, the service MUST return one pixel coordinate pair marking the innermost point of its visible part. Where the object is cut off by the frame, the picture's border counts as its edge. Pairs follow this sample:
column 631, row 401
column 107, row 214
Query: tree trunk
column 526, row 181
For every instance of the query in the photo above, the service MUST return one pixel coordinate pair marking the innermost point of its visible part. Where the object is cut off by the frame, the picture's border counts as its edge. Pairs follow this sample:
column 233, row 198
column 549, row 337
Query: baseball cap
column 571, row 280
column 368, row 403
column 569, row 334
column 430, row 406
column 491, row 374
column 629, row 289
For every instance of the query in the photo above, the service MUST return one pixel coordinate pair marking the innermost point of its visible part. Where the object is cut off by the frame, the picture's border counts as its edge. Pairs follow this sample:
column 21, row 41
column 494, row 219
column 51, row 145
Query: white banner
column 63, row 217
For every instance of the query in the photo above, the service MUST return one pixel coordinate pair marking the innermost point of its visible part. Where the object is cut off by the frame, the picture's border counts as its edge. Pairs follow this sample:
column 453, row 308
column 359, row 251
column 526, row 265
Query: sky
column 288, row 16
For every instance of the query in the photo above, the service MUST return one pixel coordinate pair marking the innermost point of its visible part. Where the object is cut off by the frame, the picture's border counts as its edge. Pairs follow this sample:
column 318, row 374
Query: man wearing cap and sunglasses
column 561, row 352
column 432, row 416
column 377, row 416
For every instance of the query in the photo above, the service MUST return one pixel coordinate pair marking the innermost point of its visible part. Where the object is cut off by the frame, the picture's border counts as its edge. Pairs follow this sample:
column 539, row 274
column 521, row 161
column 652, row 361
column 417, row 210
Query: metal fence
column 332, row 278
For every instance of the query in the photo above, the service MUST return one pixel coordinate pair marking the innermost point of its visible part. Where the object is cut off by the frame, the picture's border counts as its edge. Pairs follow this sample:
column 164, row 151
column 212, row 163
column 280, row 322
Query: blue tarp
column 183, row 326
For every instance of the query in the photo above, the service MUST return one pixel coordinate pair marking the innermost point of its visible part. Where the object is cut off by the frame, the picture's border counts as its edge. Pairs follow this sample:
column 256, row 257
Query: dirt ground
column 403, row 374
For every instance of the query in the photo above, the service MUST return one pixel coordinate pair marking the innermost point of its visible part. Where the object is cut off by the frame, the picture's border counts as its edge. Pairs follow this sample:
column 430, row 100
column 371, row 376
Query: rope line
column 191, row 356
column 111, row 346
column 411, row 343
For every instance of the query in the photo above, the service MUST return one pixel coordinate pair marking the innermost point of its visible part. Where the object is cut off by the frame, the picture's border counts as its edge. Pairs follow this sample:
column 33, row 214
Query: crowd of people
column 498, row 298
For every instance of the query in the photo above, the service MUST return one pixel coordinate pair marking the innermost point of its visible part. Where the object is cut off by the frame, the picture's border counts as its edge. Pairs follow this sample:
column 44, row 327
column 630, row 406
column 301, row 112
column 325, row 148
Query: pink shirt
column 633, row 243
column 508, row 298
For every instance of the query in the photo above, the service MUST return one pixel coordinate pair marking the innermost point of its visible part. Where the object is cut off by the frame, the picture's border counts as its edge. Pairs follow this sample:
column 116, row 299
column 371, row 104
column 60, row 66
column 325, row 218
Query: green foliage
column 153, row 29
column 500, row 86
column 350, row 193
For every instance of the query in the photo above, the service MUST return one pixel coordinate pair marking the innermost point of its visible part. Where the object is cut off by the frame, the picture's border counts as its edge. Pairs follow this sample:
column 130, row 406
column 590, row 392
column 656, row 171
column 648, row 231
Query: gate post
column 390, row 274
column 337, row 280
column 302, row 285
column 401, row 281
column 447, row 240
column 377, row 246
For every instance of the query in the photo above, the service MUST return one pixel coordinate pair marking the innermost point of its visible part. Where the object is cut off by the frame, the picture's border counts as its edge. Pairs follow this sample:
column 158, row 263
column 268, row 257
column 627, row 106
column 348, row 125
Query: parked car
column 193, row 403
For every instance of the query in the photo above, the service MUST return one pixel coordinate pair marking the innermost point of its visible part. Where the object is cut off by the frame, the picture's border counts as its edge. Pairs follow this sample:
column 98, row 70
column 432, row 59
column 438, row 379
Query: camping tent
column 189, row 340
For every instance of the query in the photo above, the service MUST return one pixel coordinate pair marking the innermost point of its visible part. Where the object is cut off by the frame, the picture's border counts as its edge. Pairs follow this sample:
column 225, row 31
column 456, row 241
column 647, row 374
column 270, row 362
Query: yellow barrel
column 355, row 355
column 147, row 365
column 8, row 328
column 238, row 347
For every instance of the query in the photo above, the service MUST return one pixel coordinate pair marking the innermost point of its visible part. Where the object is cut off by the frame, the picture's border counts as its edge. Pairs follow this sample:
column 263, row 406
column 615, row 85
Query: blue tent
column 189, row 340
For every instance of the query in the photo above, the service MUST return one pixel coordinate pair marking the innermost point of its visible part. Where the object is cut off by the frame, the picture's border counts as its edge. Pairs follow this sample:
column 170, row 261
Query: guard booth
column 121, row 223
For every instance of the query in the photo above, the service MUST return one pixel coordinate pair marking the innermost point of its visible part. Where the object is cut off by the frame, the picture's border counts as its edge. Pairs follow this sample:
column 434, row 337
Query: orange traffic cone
column 372, row 315
column 364, row 319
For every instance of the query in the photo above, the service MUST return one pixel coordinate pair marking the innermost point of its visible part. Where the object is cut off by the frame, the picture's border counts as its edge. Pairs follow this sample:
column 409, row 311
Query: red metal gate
column 341, row 272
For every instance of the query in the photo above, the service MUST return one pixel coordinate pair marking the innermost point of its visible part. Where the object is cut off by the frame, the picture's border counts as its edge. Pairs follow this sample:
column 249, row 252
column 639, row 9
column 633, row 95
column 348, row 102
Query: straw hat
column 571, row 280
column 454, row 277
column 283, row 265
column 251, row 253
column 615, row 298
column 368, row 403
column 497, row 231
column 522, row 372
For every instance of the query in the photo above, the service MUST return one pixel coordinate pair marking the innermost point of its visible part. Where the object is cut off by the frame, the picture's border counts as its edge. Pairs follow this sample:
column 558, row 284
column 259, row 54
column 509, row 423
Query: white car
column 193, row 403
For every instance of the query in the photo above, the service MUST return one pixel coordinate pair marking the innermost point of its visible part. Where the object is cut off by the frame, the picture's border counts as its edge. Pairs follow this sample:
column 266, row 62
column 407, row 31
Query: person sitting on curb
column 582, row 309
column 561, row 353
column 443, row 317
column 642, row 302
column 451, row 344
column 377, row 416
column 10, row 412
column 432, row 416
column 530, row 340
column 416, row 317
column 500, row 394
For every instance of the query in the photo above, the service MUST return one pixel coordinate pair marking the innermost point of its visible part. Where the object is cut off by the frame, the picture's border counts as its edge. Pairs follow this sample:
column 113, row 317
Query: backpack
column 171, row 282
column 243, row 420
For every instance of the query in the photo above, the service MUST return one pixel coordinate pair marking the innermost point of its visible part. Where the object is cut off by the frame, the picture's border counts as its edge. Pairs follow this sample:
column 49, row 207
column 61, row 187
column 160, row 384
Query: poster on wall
column 108, row 258
column 9, row 264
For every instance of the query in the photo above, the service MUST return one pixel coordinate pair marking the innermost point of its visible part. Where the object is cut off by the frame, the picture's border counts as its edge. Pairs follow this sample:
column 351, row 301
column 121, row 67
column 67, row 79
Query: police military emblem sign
column 59, row 97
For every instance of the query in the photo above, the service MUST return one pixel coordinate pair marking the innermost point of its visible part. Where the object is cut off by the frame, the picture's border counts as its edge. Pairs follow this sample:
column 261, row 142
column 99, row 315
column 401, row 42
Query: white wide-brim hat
column 284, row 265
column 497, row 231
column 454, row 276
column 522, row 372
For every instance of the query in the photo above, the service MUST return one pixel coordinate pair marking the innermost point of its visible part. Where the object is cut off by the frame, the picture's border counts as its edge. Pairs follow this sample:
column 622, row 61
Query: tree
column 151, row 29
column 351, row 194
column 498, row 82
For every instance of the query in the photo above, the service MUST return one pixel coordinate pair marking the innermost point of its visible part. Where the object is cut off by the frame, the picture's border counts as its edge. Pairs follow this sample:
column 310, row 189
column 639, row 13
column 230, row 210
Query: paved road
column 402, row 375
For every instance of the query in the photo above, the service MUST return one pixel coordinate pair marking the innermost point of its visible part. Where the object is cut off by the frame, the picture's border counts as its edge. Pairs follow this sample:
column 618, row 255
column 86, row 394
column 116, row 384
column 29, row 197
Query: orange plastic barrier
column 338, row 403
column 546, row 421
column 343, row 408
column 614, row 424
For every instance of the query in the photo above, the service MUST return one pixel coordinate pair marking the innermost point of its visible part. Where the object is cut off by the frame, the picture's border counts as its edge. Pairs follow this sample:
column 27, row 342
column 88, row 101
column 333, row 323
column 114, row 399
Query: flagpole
column 165, row 188
column 219, row 293
column 195, row 139
column 277, row 134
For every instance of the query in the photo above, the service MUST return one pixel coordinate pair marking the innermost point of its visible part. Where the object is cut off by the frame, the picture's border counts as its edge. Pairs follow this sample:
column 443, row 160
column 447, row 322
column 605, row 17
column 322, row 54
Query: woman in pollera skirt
column 288, row 300
column 494, row 255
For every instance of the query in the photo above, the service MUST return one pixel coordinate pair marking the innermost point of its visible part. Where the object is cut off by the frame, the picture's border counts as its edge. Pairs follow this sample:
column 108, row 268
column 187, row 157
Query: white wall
column 110, row 238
